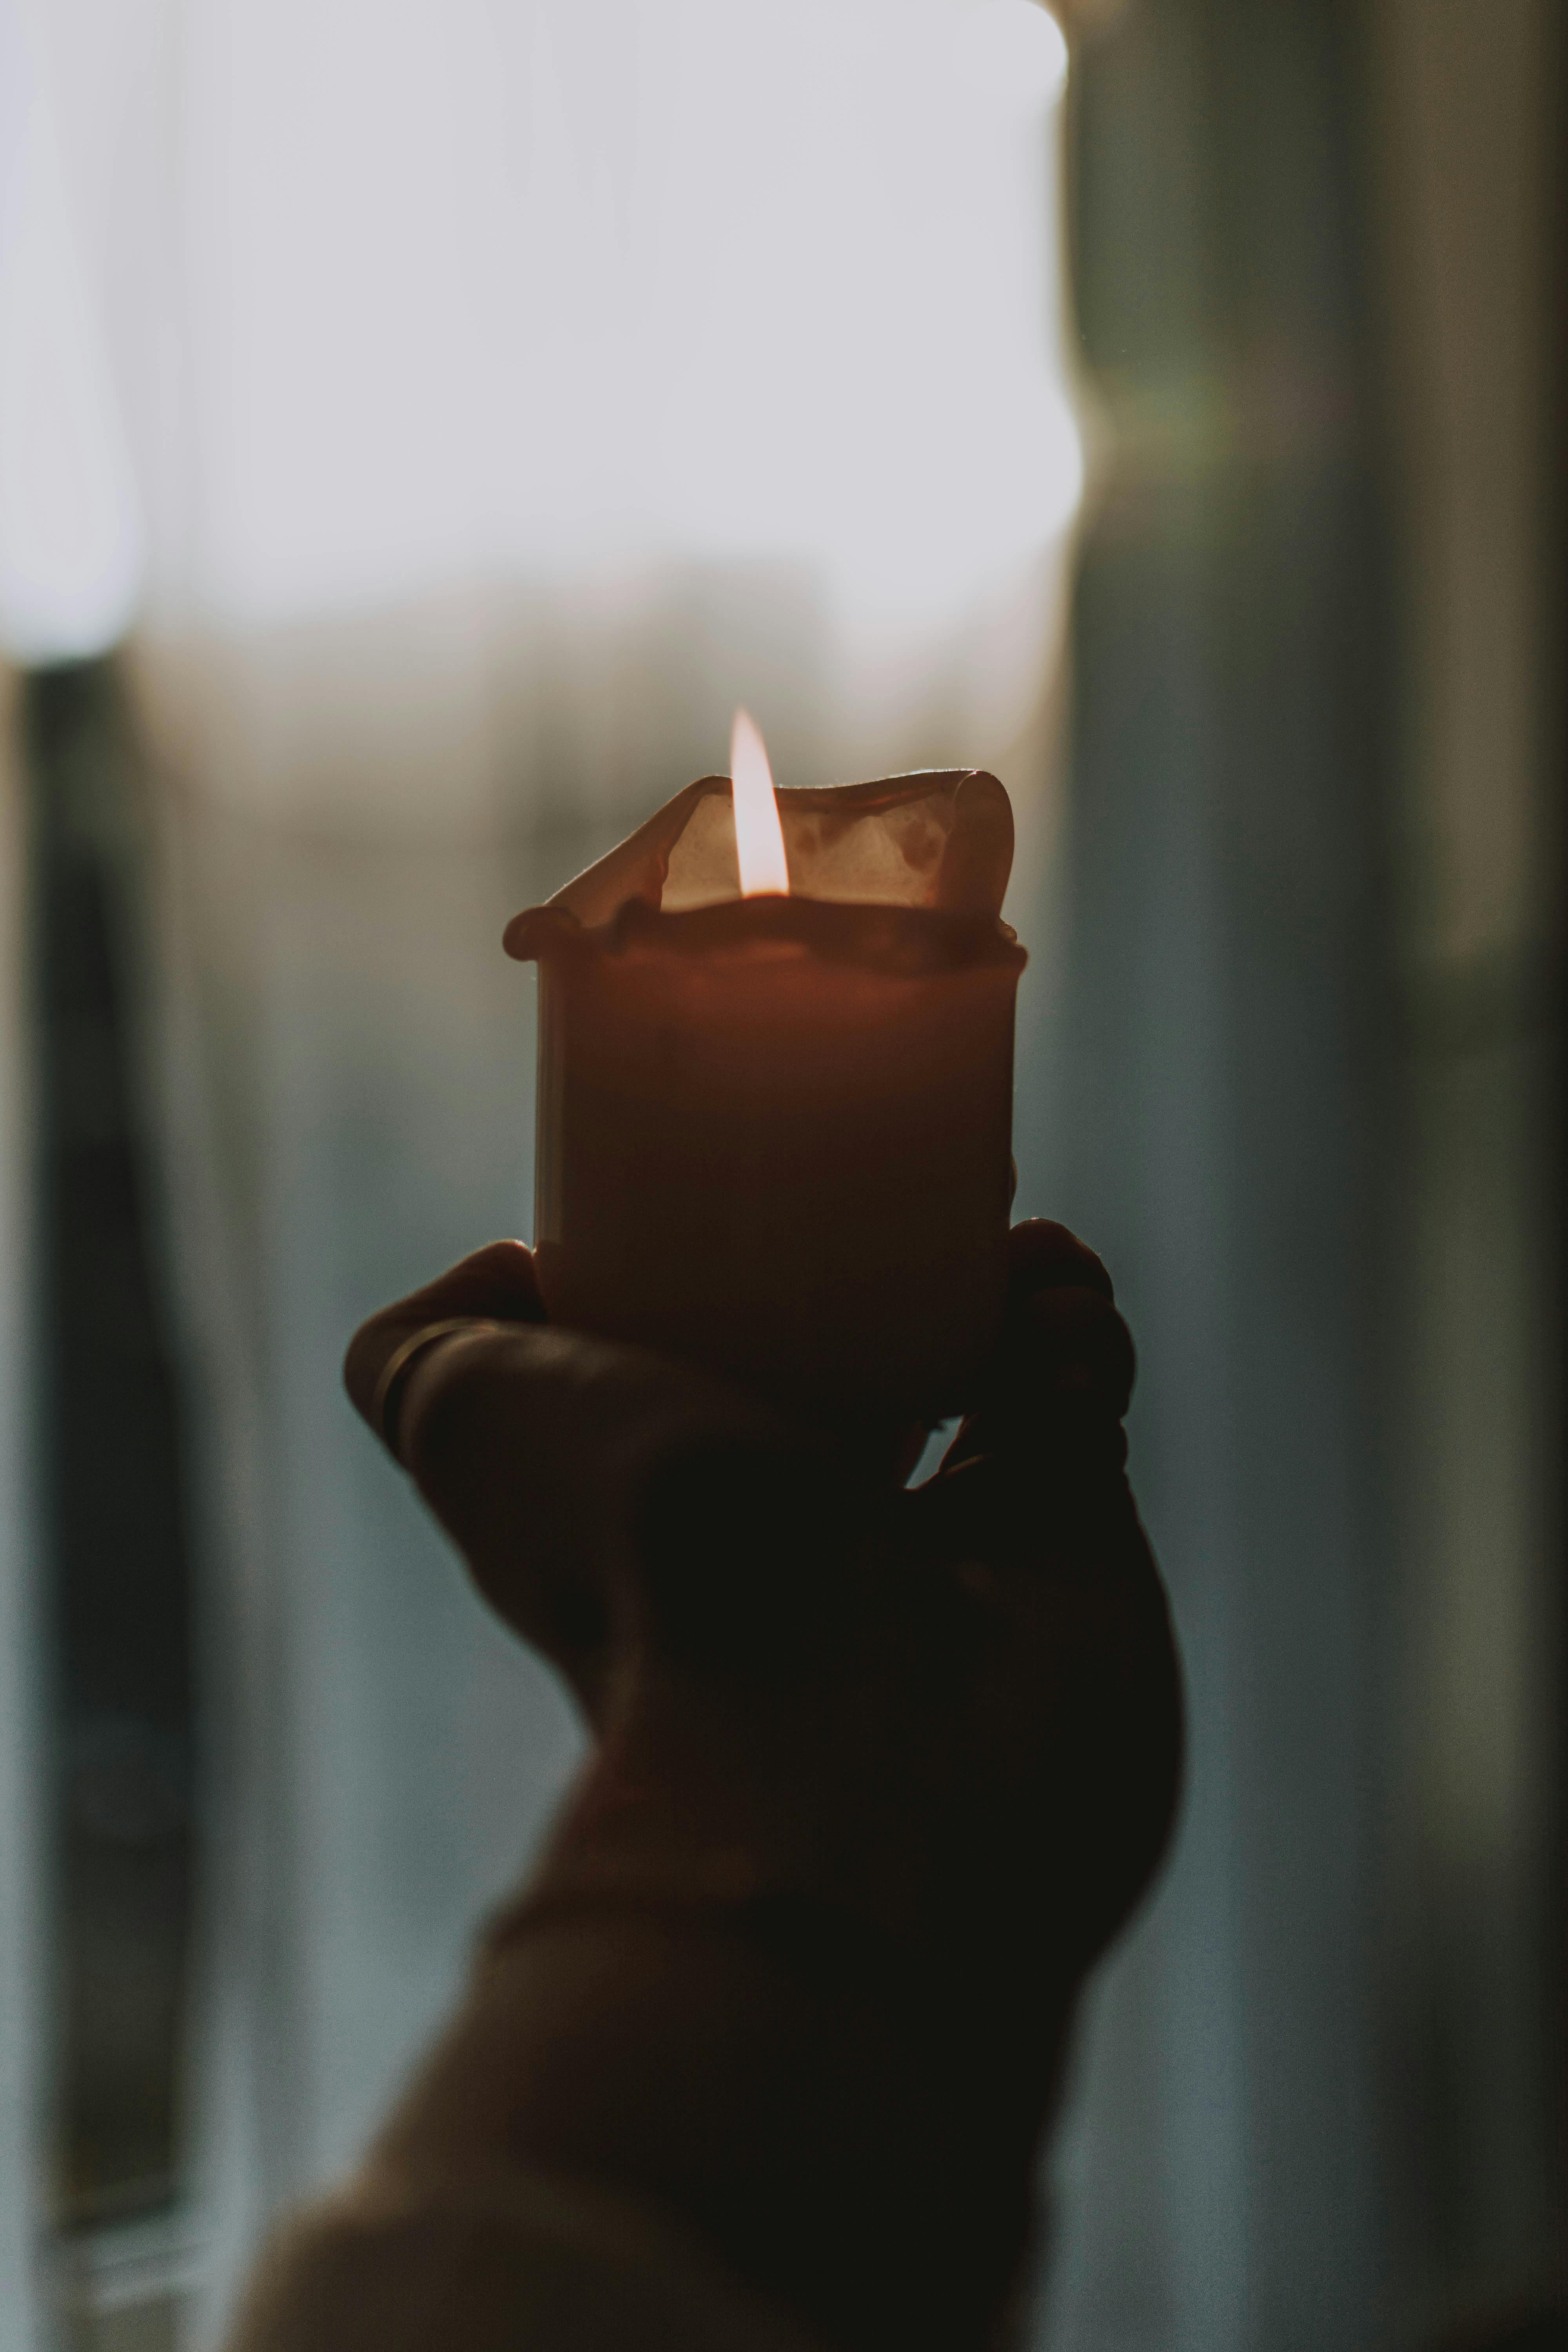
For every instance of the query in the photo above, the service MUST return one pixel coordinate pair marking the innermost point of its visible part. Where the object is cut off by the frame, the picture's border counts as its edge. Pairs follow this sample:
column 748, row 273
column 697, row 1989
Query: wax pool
column 774, row 1133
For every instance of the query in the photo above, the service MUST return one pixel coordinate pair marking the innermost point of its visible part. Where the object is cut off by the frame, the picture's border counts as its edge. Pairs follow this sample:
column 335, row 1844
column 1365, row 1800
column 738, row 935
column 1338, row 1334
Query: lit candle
column 775, row 1079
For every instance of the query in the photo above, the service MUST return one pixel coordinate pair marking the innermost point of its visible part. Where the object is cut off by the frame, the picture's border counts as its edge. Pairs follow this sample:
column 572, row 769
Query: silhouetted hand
column 915, row 1752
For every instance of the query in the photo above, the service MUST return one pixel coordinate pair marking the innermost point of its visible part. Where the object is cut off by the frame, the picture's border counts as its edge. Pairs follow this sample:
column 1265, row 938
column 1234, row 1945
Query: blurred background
column 421, row 422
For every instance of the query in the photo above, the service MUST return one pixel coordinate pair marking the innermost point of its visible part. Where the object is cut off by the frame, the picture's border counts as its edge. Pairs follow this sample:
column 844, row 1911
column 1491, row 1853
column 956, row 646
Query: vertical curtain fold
column 1215, row 1119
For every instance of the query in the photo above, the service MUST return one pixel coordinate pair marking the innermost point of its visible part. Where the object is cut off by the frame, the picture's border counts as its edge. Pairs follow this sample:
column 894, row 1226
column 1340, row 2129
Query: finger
column 497, row 1283
column 1066, row 1459
column 1045, row 1261
column 1043, row 1255
column 1070, row 1342
column 1055, row 1393
column 1000, row 1524
column 1060, row 1349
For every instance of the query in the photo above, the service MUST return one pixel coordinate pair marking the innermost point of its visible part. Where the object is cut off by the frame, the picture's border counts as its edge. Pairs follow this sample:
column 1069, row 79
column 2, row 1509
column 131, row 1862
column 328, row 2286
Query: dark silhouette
column 877, row 1775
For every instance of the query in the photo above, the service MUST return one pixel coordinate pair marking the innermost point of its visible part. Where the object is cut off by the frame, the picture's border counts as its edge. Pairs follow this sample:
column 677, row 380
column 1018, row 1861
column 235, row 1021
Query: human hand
column 921, row 1745
column 955, row 1702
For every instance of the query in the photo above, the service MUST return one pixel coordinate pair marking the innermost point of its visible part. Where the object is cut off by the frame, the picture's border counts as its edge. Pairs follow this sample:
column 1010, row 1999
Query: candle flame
column 759, row 836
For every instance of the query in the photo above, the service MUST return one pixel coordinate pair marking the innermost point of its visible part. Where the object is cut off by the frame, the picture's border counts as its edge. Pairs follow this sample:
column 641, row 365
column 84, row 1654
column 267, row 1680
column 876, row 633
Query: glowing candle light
column 759, row 836
column 774, row 1125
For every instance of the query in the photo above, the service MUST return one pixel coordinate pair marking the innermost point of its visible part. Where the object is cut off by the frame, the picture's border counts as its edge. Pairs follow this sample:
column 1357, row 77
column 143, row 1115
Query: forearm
column 862, row 2160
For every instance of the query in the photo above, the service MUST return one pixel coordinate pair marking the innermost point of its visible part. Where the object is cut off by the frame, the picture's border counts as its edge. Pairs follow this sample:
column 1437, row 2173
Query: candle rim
column 873, row 934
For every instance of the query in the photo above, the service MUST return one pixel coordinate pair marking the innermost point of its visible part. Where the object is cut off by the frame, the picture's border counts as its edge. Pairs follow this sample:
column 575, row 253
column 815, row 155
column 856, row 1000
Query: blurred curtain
column 1296, row 1080
column 426, row 353
column 463, row 403
column 1221, row 1069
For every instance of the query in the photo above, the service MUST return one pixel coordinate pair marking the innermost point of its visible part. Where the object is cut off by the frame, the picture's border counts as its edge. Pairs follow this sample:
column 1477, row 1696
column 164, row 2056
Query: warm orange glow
column 758, row 838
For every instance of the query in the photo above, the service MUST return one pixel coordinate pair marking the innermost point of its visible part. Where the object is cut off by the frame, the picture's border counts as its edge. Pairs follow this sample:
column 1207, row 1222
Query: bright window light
column 1013, row 52
column 71, row 551
column 554, row 285
column 490, row 290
